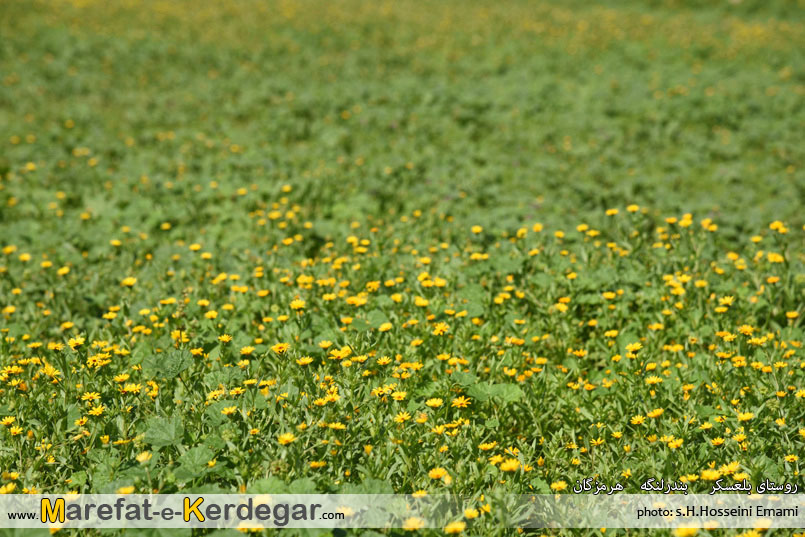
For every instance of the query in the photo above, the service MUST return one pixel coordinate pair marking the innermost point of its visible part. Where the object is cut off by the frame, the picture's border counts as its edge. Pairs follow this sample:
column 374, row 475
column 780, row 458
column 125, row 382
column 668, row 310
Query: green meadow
column 403, row 247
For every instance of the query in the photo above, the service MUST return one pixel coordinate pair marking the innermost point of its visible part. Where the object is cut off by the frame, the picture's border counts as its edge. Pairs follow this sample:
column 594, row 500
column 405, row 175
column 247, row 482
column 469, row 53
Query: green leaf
column 474, row 309
column 472, row 293
column 167, row 365
column 540, row 486
column 507, row 393
column 376, row 317
column 359, row 325
column 215, row 442
column 464, row 379
column 73, row 413
column 704, row 412
column 479, row 393
column 510, row 393
column 196, row 457
column 164, row 431
column 304, row 485
column 78, row 479
column 541, row 280
column 269, row 485
column 254, row 399
column 213, row 414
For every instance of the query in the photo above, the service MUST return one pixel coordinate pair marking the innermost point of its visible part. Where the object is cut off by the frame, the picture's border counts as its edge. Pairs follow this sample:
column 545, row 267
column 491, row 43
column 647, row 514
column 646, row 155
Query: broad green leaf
column 164, row 431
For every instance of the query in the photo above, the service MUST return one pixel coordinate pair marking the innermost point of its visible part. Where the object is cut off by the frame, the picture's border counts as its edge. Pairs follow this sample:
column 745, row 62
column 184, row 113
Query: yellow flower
column 710, row 474
column 437, row 473
column 144, row 457
column 440, row 329
column 286, row 438
column 745, row 416
column 132, row 387
column 476, row 229
column 434, row 402
column 637, row 420
column 509, row 465
column 461, row 402
column 385, row 327
column 558, row 486
column 413, row 524
column 128, row 282
column 280, row 348
column 457, row 526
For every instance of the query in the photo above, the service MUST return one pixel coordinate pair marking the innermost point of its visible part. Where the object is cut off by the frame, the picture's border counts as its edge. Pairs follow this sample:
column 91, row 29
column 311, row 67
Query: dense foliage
column 393, row 246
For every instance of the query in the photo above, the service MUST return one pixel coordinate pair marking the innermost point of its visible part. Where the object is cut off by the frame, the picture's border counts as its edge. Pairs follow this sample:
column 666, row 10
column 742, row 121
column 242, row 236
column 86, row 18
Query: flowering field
column 376, row 247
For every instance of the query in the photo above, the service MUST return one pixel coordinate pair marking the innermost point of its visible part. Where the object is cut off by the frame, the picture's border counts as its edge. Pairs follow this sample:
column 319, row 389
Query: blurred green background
column 491, row 111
